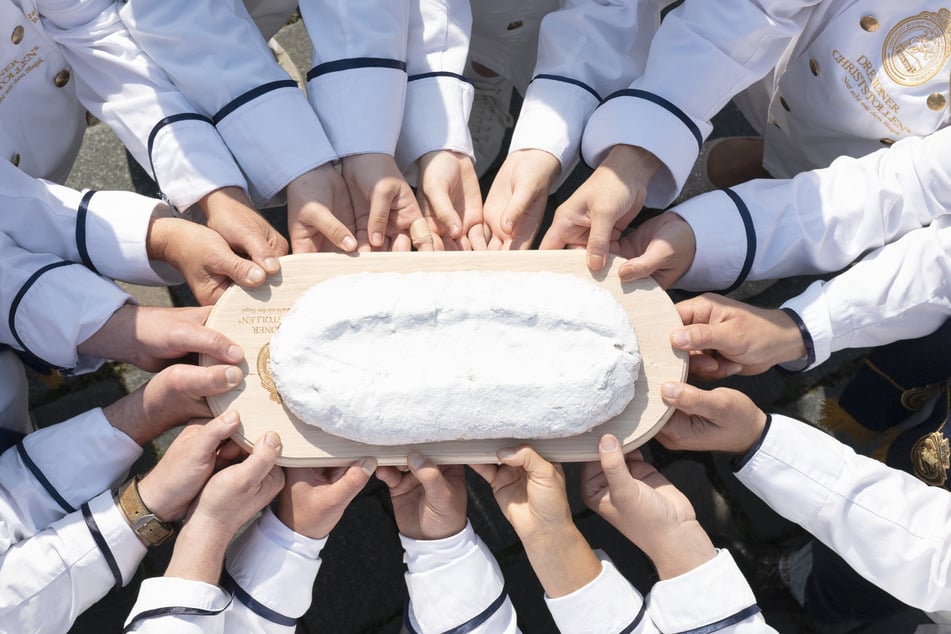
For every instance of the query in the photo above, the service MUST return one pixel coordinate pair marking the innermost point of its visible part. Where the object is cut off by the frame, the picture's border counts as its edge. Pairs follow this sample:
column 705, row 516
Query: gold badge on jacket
column 916, row 48
column 931, row 458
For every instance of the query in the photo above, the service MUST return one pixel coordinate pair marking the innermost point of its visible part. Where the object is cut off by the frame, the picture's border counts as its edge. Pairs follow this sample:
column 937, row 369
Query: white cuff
column 437, row 109
column 609, row 603
column 721, row 238
column 162, row 595
column 361, row 108
column 813, row 309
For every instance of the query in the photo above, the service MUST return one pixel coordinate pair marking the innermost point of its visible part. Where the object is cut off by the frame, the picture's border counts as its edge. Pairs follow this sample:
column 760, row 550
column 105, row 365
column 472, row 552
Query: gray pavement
column 360, row 587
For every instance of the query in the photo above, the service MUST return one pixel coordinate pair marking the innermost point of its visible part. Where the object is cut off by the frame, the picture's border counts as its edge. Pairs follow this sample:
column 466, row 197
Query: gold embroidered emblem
column 264, row 374
column 931, row 458
column 916, row 48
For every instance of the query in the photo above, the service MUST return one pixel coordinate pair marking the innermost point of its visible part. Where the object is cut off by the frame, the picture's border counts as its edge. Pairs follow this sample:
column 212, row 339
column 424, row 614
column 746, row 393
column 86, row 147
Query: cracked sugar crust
column 393, row 359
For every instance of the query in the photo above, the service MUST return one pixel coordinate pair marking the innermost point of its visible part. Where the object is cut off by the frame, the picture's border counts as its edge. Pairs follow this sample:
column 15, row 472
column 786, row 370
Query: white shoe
column 489, row 120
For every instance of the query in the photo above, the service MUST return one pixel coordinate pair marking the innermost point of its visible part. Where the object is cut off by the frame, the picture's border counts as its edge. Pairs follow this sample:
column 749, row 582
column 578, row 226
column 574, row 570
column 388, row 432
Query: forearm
column 562, row 561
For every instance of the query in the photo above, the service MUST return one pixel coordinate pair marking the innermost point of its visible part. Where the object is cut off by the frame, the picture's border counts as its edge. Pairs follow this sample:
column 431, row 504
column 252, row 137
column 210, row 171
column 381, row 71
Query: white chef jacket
column 841, row 77
column 587, row 49
column 821, row 221
column 855, row 505
column 59, row 55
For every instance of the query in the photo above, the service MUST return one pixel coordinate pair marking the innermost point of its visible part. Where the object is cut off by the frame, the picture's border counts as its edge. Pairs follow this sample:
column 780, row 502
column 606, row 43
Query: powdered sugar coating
column 393, row 359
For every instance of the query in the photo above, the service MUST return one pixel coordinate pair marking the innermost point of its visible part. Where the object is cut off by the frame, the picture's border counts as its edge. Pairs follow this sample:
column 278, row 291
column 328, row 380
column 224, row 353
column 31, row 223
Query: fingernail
column 416, row 461
column 349, row 243
column 455, row 231
column 734, row 368
column 626, row 274
column 680, row 338
column 272, row 439
column 608, row 443
column 271, row 264
column 671, row 390
column 230, row 417
column 595, row 262
column 505, row 453
column 234, row 375
column 235, row 353
column 256, row 275
column 377, row 239
column 368, row 465
column 507, row 225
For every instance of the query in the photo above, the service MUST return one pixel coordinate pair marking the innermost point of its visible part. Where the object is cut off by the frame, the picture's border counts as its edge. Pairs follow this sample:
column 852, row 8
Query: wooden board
column 251, row 317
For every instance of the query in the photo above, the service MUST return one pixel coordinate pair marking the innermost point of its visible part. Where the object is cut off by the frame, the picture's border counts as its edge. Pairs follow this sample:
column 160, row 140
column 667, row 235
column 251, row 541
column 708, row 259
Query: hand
column 231, row 498
column 382, row 202
column 203, row 257
column 727, row 337
column 516, row 202
column 313, row 500
column 169, row 489
column 643, row 505
column 172, row 397
column 531, row 493
column 429, row 501
column 604, row 205
column 319, row 213
column 716, row 420
column 151, row 337
column 230, row 214
column 663, row 247
column 448, row 185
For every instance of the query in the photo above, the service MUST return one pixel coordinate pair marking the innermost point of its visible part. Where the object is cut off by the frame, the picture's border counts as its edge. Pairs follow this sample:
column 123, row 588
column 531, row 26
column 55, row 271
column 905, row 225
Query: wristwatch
column 143, row 521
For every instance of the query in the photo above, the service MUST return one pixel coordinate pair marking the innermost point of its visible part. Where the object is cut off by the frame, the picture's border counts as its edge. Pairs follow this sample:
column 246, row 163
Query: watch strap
column 143, row 521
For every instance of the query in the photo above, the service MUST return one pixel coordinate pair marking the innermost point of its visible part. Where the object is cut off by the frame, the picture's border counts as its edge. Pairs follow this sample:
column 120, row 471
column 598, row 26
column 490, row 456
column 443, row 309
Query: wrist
column 680, row 551
column 562, row 560
column 149, row 526
column 159, row 237
column 633, row 163
column 197, row 556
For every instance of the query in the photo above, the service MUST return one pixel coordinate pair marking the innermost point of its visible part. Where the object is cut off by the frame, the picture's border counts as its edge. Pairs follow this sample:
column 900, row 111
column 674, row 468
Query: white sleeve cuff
column 609, row 603
column 715, row 592
column 275, row 136
column 361, row 108
column 813, row 309
column 189, row 605
column 631, row 118
column 722, row 242
column 553, row 117
column 435, row 118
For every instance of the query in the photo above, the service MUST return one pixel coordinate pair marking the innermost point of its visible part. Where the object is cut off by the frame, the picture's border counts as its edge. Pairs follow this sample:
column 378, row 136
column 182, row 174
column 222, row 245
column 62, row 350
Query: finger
column 528, row 459
column 613, row 463
column 185, row 338
column 599, row 239
column 321, row 219
column 708, row 368
column 390, row 476
column 718, row 406
column 208, row 441
column 380, row 198
column 353, row 480
column 429, row 475
column 180, row 390
column 521, row 199
column 221, row 260
column 440, row 204
column 646, row 264
column 264, row 246
column 554, row 238
column 420, row 235
column 477, row 238
column 486, row 471
column 705, row 337
column 263, row 458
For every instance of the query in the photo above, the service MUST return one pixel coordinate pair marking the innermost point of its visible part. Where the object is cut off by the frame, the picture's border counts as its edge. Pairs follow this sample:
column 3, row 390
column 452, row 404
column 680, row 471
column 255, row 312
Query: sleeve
column 854, row 505
column 703, row 54
column 586, row 50
column 609, row 603
column 120, row 84
column 714, row 597
column 819, row 221
column 106, row 231
column 901, row 291
column 49, row 306
column 438, row 96
column 455, row 584
column 270, row 570
column 51, row 578
column 38, row 487
column 358, row 81
column 215, row 54
column 183, row 606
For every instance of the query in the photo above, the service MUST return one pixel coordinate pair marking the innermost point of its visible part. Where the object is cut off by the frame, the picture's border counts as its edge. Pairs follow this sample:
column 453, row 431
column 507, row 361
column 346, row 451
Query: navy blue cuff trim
column 469, row 625
column 42, row 479
column 806, row 336
column 229, row 584
column 175, row 118
column 666, row 105
column 81, row 231
column 355, row 62
column 29, row 357
column 439, row 73
column 637, row 620
column 741, row 461
column 573, row 82
column 252, row 94
column 742, row 615
column 171, row 611
column 750, row 238
column 101, row 544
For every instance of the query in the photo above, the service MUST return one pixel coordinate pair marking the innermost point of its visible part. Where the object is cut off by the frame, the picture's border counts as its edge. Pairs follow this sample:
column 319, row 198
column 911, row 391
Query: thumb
column 528, row 459
column 521, row 199
column 646, row 264
column 441, row 204
column 221, row 260
column 613, row 463
column 216, row 431
column 599, row 239
column 263, row 457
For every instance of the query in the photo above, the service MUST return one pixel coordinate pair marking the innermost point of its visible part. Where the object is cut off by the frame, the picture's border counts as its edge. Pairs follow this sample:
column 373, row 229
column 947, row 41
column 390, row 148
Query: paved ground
column 360, row 587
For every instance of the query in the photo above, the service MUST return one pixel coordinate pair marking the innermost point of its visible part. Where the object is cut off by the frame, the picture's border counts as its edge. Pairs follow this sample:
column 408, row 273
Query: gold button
column 61, row 79
column 936, row 101
column 15, row 160
column 17, row 35
column 869, row 23
column 886, row 141
column 814, row 67
column 785, row 105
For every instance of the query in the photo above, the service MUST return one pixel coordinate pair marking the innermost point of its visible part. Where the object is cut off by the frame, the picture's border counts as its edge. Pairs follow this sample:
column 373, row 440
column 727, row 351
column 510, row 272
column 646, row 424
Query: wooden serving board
column 251, row 317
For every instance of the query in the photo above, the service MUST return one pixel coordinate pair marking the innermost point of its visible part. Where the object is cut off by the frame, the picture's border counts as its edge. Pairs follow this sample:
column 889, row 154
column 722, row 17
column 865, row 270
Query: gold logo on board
column 264, row 373
column 916, row 48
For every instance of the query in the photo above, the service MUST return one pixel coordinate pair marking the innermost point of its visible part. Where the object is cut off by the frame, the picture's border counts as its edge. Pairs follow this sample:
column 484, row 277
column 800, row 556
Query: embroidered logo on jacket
column 916, row 48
